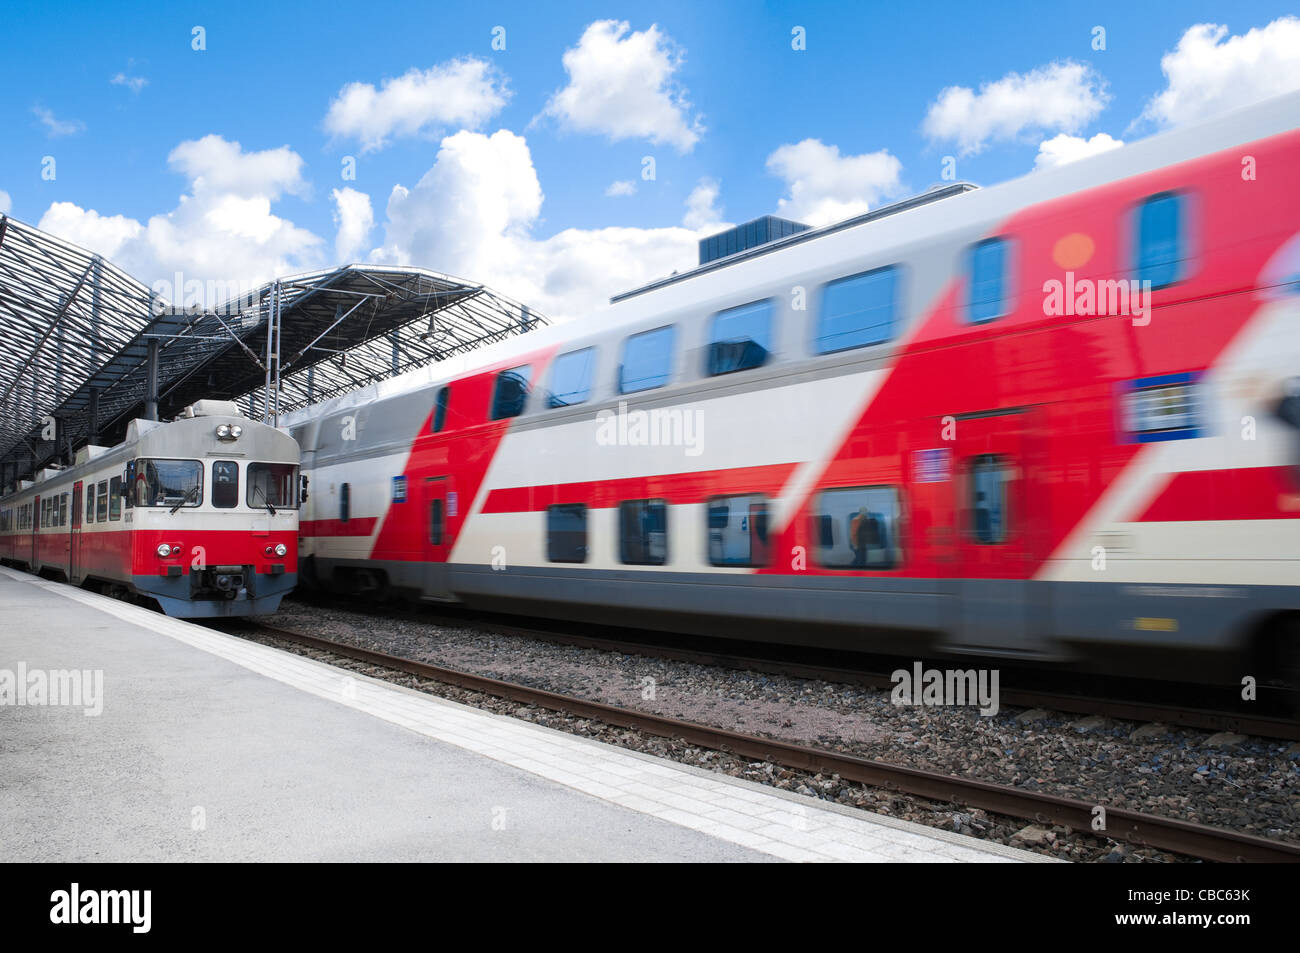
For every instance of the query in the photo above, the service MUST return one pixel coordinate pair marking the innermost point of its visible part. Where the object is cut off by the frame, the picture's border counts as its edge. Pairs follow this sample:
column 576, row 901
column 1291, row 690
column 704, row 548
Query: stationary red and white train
column 199, row 514
column 1051, row 420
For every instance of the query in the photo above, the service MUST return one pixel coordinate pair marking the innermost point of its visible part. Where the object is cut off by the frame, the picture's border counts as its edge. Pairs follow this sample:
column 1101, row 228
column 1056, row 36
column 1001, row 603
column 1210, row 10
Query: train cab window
column 990, row 517
column 272, row 484
column 168, row 483
column 1161, row 240
column 511, row 392
column 647, row 360
column 225, row 484
column 101, row 501
column 566, row 533
column 440, row 408
column 115, row 498
column 345, row 502
column 858, row 528
column 643, row 532
column 738, row 530
column 988, row 295
column 857, row 311
column 571, row 378
column 740, row 338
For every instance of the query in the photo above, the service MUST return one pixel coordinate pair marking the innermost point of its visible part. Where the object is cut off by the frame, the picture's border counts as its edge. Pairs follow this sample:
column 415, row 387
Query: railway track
column 1263, row 726
column 1182, row 837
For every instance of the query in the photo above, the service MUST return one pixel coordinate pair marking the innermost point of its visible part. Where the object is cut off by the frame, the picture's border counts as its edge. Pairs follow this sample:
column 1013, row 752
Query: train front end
column 212, row 501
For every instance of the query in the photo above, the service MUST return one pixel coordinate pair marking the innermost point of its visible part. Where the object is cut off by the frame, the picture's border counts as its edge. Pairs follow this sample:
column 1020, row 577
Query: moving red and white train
column 199, row 514
column 1051, row 420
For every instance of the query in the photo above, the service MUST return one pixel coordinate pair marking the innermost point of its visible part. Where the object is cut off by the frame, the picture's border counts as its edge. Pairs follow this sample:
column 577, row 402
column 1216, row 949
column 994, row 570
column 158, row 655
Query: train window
column 1162, row 408
column 988, row 295
column 115, row 498
column 647, row 360
column 440, row 408
column 857, row 311
column 738, row 530
column 437, row 521
column 168, row 483
column 858, row 528
column 1161, row 248
column 272, row 484
column 571, row 378
column 225, row 484
column 63, row 509
column 90, row 502
column 345, row 502
column 101, row 501
column 511, row 392
column 128, row 481
column 566, row 533
column 643, row 532
column 990, row 518
column 740, row 338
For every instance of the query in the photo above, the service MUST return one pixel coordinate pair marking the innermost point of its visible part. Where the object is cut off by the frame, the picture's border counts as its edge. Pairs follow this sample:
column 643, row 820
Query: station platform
column 199, row 746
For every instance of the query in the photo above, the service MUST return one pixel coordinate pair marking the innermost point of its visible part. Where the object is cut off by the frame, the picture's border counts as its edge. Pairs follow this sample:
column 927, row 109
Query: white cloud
column 473, row 214
column 621, row 187
column 222, row 229
column 54, row 128
column 215, row 165
column 465, row 92
column 1063, row 148
column 824, row 186
column 1206, row 75
column 134, row 83
column 6, row 203
column 355, row 220
column 1062, row 96
column 702, row 206
column 621, row 86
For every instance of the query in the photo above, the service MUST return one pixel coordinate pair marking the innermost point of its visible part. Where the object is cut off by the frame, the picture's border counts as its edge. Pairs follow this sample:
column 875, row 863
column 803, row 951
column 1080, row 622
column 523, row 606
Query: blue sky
column 868, row 79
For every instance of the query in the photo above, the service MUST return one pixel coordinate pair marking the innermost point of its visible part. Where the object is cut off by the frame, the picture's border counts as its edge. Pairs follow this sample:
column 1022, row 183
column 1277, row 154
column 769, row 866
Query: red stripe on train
column 1249, row 493
column 358, row 526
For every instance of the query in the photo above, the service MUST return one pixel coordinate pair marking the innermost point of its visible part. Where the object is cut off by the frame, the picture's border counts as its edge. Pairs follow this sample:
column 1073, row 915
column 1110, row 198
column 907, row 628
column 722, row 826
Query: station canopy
column 85, row 347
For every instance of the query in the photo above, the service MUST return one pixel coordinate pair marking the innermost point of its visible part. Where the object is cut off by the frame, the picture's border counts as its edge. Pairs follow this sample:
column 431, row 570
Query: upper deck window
column 440, row 408
column 988, row 294
column 511, row 392
column 740, row 338
column 857, row 311
column 571, row 378
column 647, row 360
column 1161, row 239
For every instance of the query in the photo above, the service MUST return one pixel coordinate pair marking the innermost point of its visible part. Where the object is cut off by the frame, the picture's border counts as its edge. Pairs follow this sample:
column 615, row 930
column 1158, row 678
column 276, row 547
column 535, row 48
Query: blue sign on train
column 399, row 489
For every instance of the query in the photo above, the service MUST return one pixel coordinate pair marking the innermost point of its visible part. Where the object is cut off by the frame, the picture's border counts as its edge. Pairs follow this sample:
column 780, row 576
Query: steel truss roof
column 75, row 333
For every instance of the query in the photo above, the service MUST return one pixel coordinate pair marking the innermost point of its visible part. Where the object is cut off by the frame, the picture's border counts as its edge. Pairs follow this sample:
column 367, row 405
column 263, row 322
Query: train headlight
column 235, row 431
column 164, row 550
column 281, row 549
column 229, row 431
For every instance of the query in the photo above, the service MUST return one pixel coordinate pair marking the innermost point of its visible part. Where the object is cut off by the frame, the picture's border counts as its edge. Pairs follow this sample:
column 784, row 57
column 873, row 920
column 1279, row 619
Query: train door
column 74, row 540
column 440, row 509
column 995, row 534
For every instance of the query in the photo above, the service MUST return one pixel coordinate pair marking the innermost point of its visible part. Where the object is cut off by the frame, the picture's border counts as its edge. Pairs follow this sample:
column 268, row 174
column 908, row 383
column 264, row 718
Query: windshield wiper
column 265, row 501
column 185, row 499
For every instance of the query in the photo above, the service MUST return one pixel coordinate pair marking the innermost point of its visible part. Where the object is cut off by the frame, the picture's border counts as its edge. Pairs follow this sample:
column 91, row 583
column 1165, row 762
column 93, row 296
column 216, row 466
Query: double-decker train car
column 1052, row 420
column 199, row 514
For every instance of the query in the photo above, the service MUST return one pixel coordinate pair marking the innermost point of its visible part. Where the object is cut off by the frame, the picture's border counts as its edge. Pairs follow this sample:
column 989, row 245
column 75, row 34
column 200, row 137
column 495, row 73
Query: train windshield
column 168, row 483
column 272, row 484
